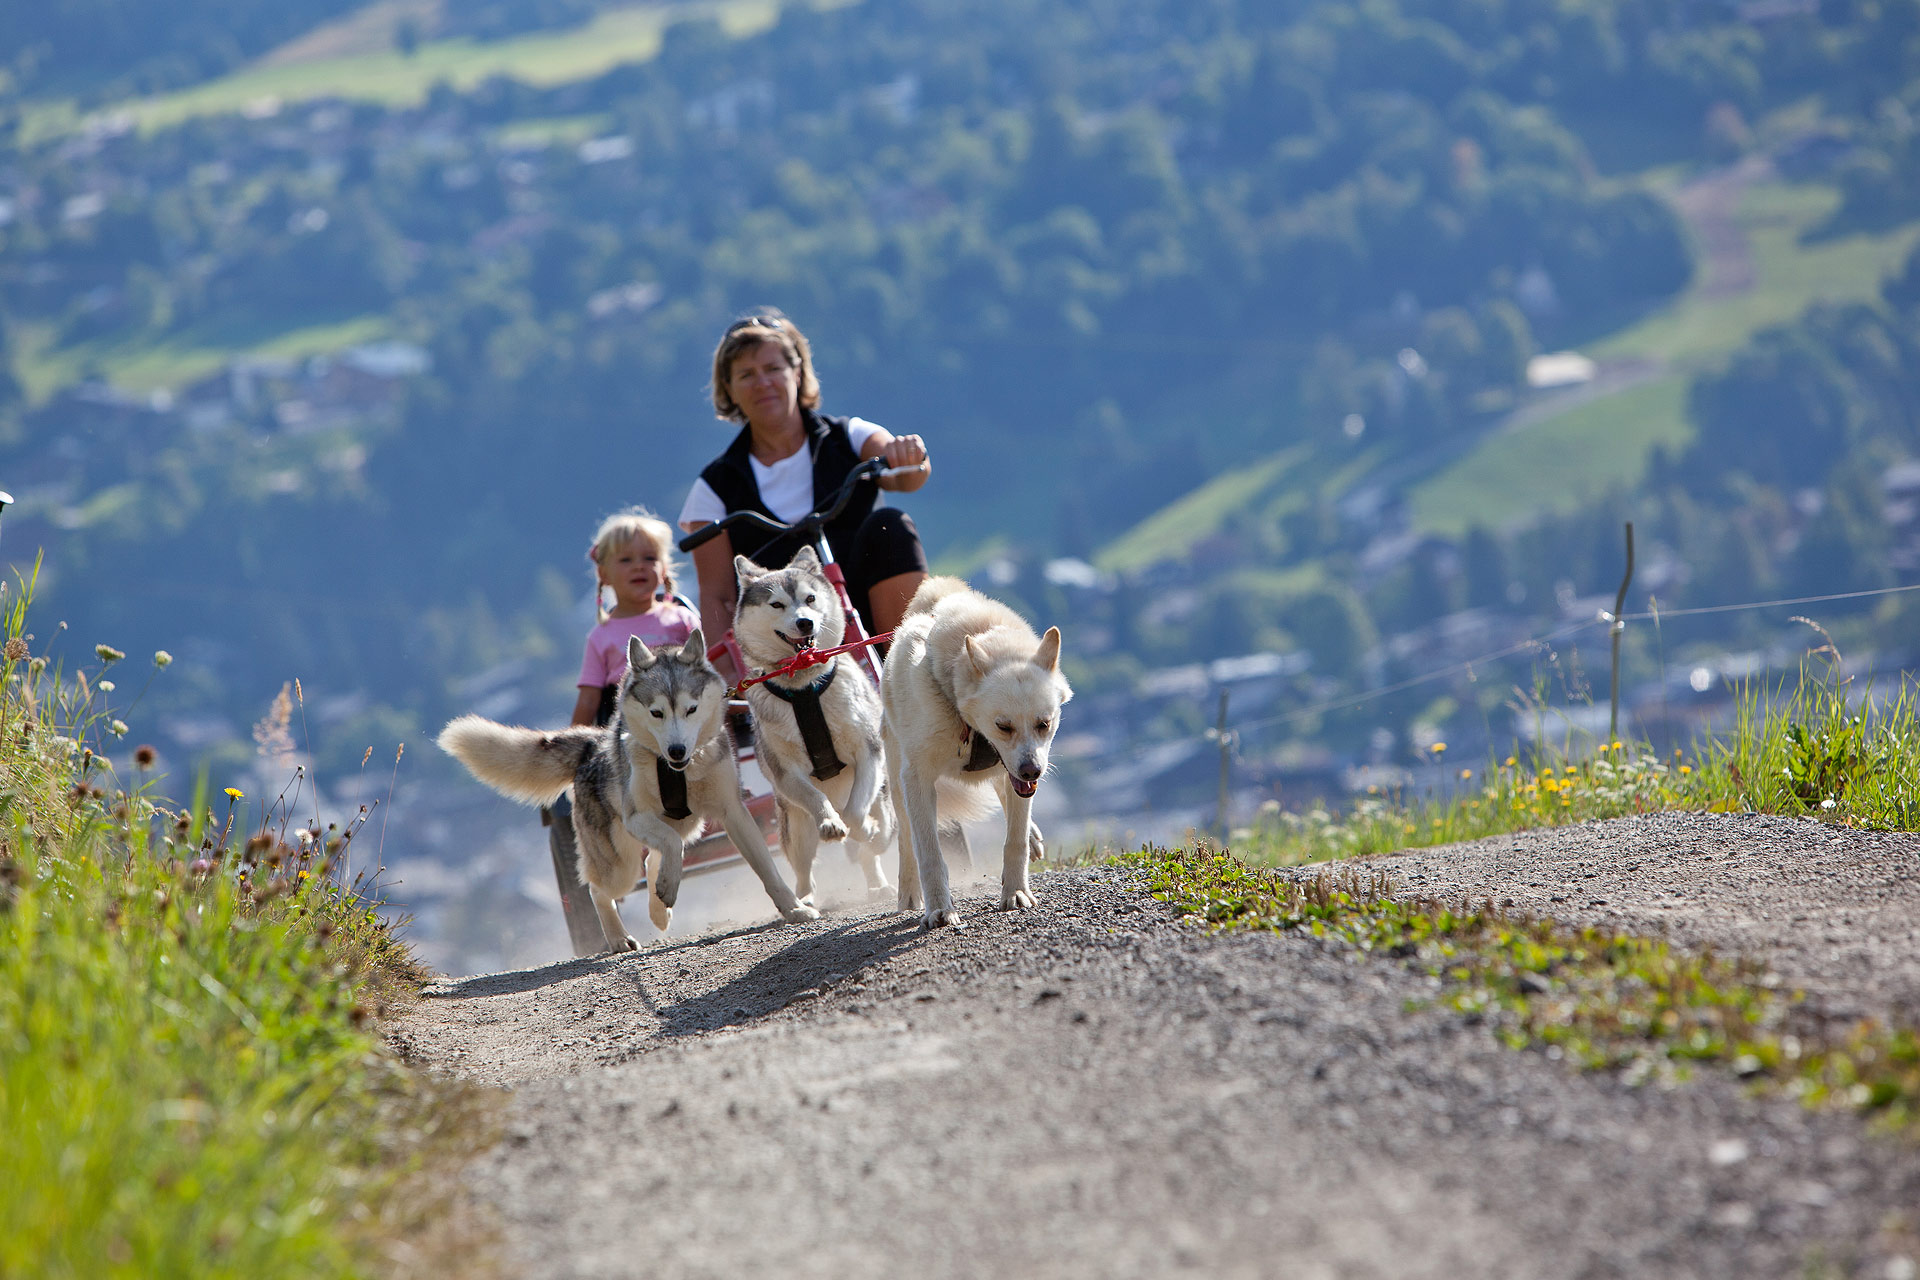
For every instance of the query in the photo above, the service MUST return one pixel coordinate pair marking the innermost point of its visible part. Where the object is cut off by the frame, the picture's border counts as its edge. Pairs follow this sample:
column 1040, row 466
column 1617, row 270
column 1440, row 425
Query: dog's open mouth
column 678, row 766
column 1022, row 789
column 799, row 646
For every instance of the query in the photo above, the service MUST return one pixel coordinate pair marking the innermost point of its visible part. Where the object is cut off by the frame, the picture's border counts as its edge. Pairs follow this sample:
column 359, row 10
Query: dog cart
column 714, row 851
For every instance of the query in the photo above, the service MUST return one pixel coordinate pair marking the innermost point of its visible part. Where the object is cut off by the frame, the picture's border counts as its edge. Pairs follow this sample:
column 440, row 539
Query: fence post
column 1616, row 627
column 1219, row 733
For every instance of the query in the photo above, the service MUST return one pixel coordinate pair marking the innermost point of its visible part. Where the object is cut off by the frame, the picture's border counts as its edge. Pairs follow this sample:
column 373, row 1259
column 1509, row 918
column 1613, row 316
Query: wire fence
column 1466, row 666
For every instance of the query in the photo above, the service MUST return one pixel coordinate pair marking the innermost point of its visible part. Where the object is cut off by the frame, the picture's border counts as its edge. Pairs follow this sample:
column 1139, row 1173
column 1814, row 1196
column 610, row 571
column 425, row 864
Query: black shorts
column 884, row 546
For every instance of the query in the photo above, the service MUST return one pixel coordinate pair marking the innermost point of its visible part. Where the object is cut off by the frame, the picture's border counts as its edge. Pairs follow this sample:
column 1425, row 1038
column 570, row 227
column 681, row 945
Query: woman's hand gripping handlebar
column 874, row 469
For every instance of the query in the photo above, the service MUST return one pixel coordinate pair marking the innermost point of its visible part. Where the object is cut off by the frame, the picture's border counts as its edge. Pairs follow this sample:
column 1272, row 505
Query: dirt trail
column 1093, row 1089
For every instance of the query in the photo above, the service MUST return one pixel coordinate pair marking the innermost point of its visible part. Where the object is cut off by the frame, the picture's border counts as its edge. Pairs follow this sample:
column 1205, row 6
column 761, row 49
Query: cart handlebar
column 872, row 469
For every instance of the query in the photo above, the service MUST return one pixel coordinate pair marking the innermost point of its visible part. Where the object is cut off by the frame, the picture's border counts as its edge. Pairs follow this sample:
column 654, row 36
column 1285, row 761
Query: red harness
column 808, row 658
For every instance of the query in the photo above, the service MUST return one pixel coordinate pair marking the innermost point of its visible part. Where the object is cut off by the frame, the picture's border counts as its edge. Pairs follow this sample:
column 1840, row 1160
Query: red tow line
column 808, row 658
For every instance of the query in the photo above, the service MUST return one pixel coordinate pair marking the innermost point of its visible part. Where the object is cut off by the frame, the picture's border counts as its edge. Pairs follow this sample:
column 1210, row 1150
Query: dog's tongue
column 1024, row 790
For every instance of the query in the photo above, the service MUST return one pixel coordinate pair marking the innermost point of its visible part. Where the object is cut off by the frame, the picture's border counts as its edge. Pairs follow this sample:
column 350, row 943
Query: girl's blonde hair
column 621, row 528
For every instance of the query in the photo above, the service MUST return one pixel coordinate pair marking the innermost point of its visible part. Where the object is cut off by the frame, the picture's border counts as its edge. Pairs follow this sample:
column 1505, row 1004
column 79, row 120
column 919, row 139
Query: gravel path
column 1093, row 1089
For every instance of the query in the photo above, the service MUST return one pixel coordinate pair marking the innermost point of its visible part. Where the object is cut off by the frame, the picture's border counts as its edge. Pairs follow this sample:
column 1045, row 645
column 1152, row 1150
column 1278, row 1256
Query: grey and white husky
column 647, row 781
column 818, row 730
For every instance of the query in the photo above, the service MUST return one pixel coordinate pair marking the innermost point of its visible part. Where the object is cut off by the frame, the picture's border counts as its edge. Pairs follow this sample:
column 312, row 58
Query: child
column 631, row 558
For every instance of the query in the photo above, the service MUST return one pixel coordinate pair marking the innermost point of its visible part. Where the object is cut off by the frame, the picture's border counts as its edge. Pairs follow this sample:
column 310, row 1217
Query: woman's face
column 764, row 384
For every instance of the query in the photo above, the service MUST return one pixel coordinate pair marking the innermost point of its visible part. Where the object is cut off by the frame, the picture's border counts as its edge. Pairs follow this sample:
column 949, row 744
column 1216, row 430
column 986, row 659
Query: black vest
column 731, row 477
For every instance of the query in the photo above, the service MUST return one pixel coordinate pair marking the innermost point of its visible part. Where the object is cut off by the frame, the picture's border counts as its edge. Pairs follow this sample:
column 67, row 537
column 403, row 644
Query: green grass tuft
column 190, row 1079
column 1601, row 1000
column 1813, row 747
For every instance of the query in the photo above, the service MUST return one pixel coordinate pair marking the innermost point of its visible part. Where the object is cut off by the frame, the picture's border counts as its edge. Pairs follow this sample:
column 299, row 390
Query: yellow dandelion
column 304, row 875
column 1686, row 769
column 235, row 793
column 1437, row 748
column 1512, row 761
column 1465, row 774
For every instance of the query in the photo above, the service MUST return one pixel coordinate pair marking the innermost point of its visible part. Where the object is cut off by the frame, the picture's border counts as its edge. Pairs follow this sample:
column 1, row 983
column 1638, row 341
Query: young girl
column 631, row 559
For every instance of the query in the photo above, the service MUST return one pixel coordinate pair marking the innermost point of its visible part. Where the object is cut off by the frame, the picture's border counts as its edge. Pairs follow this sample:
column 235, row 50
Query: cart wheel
column 583, row 922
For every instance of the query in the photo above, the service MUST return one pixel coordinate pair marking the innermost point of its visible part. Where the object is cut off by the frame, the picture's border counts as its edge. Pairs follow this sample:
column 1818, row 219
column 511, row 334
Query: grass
column 1175, row 529
column 1816, row 747
column 613, row 37
column 190, row 1079
column 1791, row 273
column 1558, row 465
column 175, row 358
column 1602, row 1000
column 1605, row 443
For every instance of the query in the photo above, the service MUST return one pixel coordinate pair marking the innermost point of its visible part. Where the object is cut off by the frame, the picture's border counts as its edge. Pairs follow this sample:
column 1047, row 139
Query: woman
column 787, row 458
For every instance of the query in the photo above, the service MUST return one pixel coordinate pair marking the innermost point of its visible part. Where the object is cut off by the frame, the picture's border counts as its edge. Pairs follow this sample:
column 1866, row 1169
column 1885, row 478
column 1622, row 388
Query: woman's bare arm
column 899, row 451
column 713, row 566
column 586, row 707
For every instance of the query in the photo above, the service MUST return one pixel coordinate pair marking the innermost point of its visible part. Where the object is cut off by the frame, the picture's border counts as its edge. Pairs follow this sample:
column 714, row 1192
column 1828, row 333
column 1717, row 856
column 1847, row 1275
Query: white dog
column 818, row 731
column 649, row 780
column 972, row 696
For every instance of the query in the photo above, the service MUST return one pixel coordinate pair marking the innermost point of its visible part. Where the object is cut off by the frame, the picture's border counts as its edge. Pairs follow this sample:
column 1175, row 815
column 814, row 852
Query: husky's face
column 1015, row 699
column 783, row 611
column 672, row 699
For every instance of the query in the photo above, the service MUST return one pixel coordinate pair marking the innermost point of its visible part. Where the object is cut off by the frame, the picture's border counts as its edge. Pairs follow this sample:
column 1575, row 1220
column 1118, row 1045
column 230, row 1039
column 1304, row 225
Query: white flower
column 118, row 728
column 161, row 658
column 105, row 686
column 1828, row 803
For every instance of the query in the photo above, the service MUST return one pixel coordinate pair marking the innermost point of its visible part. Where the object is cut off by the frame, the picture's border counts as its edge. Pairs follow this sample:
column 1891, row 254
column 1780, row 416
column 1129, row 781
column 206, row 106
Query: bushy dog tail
column 932, row 592
column 521, row 764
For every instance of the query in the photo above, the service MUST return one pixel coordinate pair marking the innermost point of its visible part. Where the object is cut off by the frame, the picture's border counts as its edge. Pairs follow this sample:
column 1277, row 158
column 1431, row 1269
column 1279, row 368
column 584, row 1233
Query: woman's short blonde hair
column 635, row 524
column 766, row 325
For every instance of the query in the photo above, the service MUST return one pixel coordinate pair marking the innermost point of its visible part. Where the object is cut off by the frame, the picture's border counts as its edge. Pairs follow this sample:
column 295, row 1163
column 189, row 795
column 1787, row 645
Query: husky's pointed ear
column 639, row 657
column 744, row 568
column 976, row 656
column 807, row 559
column 1048, row 654
column 695, row 649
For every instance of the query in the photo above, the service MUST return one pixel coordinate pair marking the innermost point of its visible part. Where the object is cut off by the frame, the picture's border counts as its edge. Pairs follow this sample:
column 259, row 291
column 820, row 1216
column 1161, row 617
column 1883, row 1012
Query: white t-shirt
column 786, row 486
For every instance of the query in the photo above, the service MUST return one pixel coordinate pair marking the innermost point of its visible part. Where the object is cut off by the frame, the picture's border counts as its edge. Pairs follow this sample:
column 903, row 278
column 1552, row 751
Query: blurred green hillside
column 327, row 331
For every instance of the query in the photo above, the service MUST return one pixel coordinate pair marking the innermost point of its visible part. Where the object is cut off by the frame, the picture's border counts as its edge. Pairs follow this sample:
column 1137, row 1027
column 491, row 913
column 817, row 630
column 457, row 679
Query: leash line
column 807, row 658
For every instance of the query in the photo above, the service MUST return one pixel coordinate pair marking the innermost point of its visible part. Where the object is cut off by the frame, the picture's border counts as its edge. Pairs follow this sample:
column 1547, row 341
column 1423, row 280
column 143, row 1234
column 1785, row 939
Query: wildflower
column 36, row 666
column 16, row 649
column 258, row 842
column 1686, row 769
column 235, row 793
column 1465, row 774
column 1828, row 803
column 106, row 686
column 144, row 756
column 1512, row 761
column 201, row 866
column 118, row 728
column 107, row 653
column 161, row 658
column 1438, row 748
column 306, row 875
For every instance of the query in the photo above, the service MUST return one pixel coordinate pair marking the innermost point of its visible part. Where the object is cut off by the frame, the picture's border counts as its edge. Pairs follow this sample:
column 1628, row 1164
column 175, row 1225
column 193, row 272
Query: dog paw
column 1036, row 847
column 934, row 919
column 629, row 943
column 659, row 912
column 908, row 901
column 1016, row 900
column 831, row 828
column 800, row 912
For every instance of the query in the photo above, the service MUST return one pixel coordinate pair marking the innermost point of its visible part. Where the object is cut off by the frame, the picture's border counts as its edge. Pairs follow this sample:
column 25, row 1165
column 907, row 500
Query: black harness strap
column 812, row 720
column 983, row 755
column 673, row 790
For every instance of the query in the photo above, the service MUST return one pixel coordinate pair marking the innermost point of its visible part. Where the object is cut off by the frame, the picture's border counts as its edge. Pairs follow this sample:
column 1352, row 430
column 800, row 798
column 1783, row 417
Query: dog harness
column 673, row 789
column 812, row 720
column 983, row 754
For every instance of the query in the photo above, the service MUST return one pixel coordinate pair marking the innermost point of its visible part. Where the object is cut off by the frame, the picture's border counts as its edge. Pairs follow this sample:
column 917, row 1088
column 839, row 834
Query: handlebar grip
column 700, row 537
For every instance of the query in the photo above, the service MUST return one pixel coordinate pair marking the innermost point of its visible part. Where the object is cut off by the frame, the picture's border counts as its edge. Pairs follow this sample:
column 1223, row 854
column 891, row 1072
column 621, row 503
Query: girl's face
column 764, row 384
column 632, row 569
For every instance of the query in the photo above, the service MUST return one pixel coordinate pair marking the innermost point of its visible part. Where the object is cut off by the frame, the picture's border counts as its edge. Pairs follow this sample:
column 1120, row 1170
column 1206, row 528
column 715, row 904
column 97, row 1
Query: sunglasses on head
column 756, row 322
